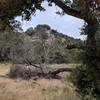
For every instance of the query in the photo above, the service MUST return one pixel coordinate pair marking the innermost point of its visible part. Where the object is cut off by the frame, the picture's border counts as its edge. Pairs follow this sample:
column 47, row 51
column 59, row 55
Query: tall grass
column 23, row 90
column 42, row 89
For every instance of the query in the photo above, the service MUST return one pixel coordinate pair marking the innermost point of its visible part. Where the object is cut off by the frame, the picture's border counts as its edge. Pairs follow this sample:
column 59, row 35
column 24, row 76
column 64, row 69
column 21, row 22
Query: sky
column 65, row 24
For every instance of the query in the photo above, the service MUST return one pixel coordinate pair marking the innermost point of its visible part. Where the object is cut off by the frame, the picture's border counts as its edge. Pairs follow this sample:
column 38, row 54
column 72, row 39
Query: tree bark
column 68, row 10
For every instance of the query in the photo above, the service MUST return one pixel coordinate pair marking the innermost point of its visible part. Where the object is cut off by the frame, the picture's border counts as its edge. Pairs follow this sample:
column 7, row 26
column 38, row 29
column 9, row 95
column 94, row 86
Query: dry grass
column 4, row 68
column 63, row 65
column 42, row 89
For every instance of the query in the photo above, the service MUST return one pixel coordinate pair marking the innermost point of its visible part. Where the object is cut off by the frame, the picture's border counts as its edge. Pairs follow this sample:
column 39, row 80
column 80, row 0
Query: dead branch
column 50, row 73
column 30, row 63
column 40, row 67
column 61, row 70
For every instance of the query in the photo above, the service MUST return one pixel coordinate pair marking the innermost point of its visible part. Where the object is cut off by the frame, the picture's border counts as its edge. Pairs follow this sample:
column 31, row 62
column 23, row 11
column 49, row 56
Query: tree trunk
column 92, row 56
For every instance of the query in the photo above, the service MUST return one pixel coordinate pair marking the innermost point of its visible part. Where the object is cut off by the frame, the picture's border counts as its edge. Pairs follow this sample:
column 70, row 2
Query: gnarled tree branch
column 68, row 10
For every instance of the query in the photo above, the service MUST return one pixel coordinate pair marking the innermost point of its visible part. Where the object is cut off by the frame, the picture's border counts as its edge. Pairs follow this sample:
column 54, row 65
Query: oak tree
column 87, row 10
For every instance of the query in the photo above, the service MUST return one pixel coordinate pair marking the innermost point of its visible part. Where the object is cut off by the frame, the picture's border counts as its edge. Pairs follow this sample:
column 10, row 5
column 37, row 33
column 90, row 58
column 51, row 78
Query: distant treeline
column 39, row 45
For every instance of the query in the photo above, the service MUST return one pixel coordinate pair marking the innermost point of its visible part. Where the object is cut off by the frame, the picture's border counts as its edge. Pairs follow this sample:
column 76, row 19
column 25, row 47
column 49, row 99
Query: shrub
column 82, row 78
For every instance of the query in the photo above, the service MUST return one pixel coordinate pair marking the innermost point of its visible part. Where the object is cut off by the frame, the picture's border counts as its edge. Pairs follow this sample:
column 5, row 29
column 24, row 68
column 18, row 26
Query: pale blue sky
column 64, row 24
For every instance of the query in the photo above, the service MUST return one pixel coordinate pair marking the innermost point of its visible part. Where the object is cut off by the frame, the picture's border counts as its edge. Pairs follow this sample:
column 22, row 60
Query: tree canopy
column 83, row 9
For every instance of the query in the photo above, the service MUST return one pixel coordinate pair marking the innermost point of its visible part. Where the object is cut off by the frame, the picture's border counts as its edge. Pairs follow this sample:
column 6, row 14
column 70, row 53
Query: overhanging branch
column 68, row 10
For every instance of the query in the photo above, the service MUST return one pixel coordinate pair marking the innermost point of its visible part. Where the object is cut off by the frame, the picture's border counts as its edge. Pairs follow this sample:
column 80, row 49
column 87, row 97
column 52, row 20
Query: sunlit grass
column 72, row 65
column 42, row 89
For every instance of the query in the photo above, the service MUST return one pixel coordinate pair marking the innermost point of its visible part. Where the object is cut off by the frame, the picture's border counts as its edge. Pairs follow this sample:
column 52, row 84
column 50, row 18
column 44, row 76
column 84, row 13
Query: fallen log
column 25, row 72
column 61, row 70
column 55, row 73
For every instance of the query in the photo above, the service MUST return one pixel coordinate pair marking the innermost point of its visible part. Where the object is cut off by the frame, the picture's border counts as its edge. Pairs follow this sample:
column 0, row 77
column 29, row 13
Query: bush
column 82, row 78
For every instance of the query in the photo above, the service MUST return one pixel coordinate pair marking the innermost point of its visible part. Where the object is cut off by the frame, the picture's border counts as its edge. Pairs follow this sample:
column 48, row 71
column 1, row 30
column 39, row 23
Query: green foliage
column 55, row 45
column 18, row 47
column 87, row 75
column 10, row 43
column 30, row 31
column 9, row 9
column 57, row 57
column 85, row 83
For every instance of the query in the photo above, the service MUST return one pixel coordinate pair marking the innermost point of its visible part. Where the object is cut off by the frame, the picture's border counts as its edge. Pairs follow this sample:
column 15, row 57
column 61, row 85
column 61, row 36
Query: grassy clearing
column 42, row 89
column 63, row 65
